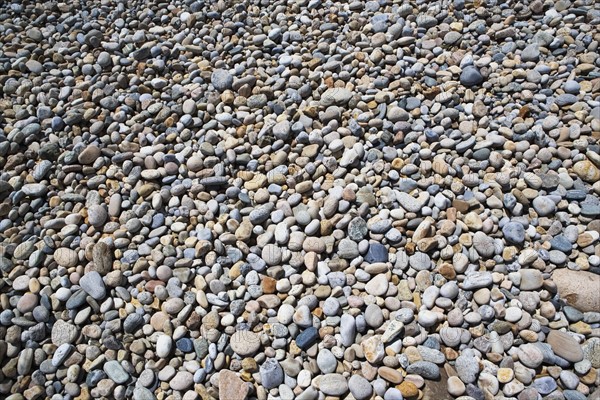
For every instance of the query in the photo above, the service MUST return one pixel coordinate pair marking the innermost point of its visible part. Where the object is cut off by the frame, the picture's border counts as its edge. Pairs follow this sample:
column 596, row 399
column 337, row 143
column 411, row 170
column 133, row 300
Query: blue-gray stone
column 574, row 395
column 576, row 194
column 271, row 373
column 561, row 243
column 514, row 233
column 95, row 376
column 426, row 369
column 221, row 79
column 509, row 200
column 566, row 99
column 185, row 345
column 115, row 372
column 544, row 385
column 307, row 338
column 133, row 322
column 470, row 76
column 376, row 253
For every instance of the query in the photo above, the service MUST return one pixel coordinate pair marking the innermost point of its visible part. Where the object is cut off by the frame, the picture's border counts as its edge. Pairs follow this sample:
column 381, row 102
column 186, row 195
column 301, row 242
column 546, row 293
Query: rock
column 426, row 369
column 231, row 386
column 115, row 372
column 378, row 285
column 93, row 285
column 89, row 155
column 514, row 233
column 470, row 76
column 164, row 344
column 326, row 361
column 564, row 346
column 578, row 288
column 245, row 343
column 333, row 384
column 337, row 96
column 530, row 355
column 360, row 388
column 307, row 338
column 587, row 171
column 182, row 380
column 467, row 367
column 221, row 80
column 97, row 215
column 271, row 373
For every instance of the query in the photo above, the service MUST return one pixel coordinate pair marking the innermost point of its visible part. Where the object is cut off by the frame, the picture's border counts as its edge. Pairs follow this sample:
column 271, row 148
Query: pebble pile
column 306, row 199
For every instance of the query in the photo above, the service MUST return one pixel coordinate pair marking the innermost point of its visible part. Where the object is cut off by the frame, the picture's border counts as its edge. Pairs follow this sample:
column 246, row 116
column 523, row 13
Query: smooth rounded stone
column 114, row 370
column 484, row 244
column 578, row 288
column 374, row 316
column 348, row 249
column 271, row 373
column 221, row 79
column 420, row 261
column 93, row 285
column 455, row 386
column 467, row 367
column 89, row 155
column 142, row 393
column 513, row 314
column 245, row 343
column 470, row 76
column 27, row 302
column 544, row 206
column 66, row 257
column 477, row 280
column 530, row 355
column 569, row 379
column 333, row 384
column 285, row 314
column 393, row 394
column 425, row 369
column 360, row 388
column 514, row 233
column 544, row 385
column 182, row 380
column 531, row 279
column 271, row 254
column 565, row 346
column 377, row 253
column 63, row 332
column 591, row 351
column 326, row 361
column 164, row 344
column 427, row 318
column 347, row 329
column 61, row 353
column 378, row 285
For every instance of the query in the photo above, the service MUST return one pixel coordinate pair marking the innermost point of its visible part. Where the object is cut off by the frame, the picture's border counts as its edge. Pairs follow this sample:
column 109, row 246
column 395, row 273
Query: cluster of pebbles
column 307, row 199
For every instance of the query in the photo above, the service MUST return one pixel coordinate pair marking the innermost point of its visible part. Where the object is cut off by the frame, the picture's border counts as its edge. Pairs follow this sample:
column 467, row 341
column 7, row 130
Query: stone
column 578, row 288
column 470, row 76
column 164, row 344
column 564, row 346
column 115, row 372
column 360, row 388
column 93, row 285
column 271, row 373
column 307, row 338
column 182, row 380
column 231, row 386
column 425, row 369
column 245, row 343
column 221, row 79
column 333, row 384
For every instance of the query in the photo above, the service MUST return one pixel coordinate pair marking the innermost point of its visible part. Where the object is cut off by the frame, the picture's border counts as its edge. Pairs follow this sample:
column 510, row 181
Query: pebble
column 301, row 200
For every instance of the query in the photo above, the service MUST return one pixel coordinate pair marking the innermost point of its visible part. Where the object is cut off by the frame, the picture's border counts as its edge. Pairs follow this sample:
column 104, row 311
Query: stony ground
column 300, row 199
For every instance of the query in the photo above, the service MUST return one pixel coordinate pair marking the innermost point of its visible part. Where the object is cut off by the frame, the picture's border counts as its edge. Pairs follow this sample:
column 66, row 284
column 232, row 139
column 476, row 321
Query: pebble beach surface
column 304, row 199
